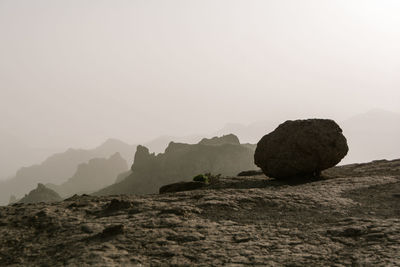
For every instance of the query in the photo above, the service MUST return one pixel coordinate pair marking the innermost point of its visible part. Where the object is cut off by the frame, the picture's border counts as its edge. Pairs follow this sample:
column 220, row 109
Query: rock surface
column 41, row 194
column 351, row 220
column 301, row 148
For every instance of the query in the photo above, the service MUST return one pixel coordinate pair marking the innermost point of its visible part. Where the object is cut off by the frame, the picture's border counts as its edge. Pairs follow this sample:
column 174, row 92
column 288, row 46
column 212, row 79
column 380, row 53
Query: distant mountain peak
column 112, row 142
column 41, row 194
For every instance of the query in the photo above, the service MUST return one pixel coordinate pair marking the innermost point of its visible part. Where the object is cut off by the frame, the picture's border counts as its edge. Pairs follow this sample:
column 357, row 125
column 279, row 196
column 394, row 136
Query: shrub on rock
column 301, row 148
column 201, row 178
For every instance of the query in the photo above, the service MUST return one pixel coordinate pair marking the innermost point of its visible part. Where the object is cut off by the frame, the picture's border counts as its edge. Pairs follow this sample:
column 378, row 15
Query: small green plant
column 201, row 178
column 206, row 178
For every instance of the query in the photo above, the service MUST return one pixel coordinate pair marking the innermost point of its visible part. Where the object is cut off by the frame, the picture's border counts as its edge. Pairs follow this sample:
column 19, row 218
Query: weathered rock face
column 301, row 148
column 240, row 221
column 142, row 156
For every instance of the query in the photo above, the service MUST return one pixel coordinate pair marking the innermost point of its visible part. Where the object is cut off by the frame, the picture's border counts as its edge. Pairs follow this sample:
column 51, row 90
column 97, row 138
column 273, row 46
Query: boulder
column 301, row 148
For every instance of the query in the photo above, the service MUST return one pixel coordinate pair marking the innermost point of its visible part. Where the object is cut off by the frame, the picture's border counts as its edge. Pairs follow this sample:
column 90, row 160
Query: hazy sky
column 75, row 72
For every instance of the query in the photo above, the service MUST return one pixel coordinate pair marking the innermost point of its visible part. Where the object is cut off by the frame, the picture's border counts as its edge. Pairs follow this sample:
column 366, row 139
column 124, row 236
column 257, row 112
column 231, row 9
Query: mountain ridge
column 225, row 155
column 59, row 167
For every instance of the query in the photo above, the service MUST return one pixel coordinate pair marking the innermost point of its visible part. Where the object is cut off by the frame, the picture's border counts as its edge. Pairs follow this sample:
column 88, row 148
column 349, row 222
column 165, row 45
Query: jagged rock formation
column 58, row 168
column 181, row 162
column 92, row 176
column 41, row 194
column 351, row 220
column 225, row 139
column 301, row 148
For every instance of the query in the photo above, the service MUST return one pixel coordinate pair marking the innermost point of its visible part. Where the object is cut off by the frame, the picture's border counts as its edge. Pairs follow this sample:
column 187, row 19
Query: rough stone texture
column 351, row 220
column 301, row 148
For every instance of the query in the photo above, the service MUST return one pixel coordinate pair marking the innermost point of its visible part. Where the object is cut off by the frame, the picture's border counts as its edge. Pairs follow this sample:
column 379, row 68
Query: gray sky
column 75, row 72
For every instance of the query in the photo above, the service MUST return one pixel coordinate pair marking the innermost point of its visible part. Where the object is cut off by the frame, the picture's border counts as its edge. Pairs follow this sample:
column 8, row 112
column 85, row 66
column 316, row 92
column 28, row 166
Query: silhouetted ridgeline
column 41, row 194
column 226, row 139
column 224, row 155
column 59, row 168
column 92, row 176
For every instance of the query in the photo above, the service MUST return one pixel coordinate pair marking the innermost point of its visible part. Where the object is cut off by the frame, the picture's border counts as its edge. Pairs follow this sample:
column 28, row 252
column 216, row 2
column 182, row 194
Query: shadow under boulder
column 181, row 186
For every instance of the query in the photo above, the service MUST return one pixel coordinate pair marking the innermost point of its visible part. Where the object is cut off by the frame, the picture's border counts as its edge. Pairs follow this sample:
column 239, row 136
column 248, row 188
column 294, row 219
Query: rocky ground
column 350, row 217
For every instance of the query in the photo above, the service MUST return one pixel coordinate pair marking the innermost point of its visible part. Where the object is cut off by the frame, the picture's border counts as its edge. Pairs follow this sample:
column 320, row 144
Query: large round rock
column 301, row 148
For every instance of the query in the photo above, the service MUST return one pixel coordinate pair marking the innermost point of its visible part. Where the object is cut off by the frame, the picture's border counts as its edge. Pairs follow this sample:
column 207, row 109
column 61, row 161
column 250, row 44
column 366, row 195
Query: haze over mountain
column 14, row 154
column 80, row 72
column 91, row 88
column 372, row 135
column 74, row 73
column 250, row 133
column 64, row 168
column 58, row 168
column 92, row 176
